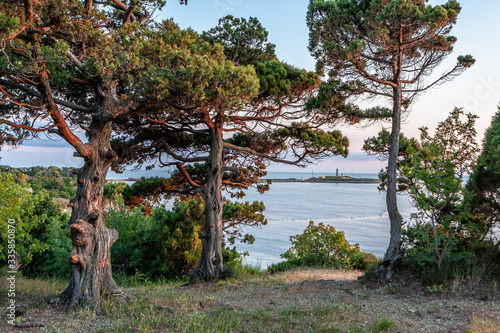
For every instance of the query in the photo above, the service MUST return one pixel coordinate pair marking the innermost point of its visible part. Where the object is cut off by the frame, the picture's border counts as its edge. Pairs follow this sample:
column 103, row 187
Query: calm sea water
column 270, row 175
column 358, row 210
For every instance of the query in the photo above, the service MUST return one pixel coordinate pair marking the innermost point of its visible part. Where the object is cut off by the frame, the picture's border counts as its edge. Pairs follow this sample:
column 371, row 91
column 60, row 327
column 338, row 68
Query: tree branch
column 449, row 75
column 180, row 158
column 125, row 113
column 34, row 93
column 59, row 120
column 249, row 151
column 128, row 13
column 231, row 169
column 180, row 167
column 26, row 127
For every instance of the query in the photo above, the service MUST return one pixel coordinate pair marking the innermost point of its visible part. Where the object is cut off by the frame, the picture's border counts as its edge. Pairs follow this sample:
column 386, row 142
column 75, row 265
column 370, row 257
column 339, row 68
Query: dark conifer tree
column 75, row 66
column 226, row 122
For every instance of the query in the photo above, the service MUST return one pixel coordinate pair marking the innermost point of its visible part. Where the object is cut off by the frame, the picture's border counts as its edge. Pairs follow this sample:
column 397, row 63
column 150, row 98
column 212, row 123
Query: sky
column 476, row 91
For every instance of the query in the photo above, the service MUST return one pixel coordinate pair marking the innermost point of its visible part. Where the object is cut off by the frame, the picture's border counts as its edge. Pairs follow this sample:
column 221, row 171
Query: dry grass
column 316, row 300
column 301, row 275
column 484, row 325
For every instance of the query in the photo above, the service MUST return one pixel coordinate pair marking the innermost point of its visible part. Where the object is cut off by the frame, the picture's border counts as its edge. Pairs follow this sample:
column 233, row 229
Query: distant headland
column 328, row 179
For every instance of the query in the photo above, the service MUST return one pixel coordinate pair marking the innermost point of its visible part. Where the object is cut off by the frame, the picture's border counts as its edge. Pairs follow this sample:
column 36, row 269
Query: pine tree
column 229, row 119
column 385, row 48
column 80, row 65
column 483, row 188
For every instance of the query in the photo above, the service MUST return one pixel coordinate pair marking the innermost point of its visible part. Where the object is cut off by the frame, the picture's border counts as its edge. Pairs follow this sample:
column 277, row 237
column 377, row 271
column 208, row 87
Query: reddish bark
column 90, row 258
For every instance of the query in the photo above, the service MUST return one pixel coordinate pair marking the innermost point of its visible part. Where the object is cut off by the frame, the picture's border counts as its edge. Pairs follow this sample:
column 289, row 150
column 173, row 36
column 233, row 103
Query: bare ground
column 296, row 301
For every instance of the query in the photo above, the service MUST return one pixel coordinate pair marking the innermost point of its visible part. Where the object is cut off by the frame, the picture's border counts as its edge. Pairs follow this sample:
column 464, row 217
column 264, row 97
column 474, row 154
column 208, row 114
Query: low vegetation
column 299, row 300
column 156, row 243
column 322, row 246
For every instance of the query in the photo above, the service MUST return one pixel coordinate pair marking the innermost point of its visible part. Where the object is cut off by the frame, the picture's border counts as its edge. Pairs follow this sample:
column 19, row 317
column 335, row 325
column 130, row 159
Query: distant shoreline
column 367, row 181
column 327, row 179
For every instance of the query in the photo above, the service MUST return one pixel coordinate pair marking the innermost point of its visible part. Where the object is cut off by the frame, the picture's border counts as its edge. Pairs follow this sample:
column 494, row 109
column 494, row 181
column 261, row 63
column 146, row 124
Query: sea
column 357, row 209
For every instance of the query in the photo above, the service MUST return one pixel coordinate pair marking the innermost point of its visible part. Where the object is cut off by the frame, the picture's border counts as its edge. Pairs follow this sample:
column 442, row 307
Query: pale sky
column 477, row 90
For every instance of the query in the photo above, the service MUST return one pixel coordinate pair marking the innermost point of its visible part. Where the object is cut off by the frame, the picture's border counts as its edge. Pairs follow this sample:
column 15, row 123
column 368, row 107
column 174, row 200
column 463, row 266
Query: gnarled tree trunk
column 90, row 258
column 211, row 264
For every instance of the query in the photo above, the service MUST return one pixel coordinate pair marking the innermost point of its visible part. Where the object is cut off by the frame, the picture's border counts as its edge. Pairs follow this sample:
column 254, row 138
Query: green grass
column 383, row 325
column 316, row 300
column 200, row 308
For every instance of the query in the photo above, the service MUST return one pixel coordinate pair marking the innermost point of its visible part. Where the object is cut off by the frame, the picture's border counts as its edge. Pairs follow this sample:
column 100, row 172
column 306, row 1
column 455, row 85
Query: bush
column 42, row 236
column 284, row 266
column 37, row 222
column 180, row 243
column 321, row 245
column 15, row 201
column 59, row 183
column 135, row 232
column 365, row 261
column 53, row 232
column 164, row 244
column 447, row 255
column 237, row 270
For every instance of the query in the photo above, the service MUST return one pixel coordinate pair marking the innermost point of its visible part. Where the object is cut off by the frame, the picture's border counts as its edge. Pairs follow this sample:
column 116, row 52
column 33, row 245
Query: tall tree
column 379, row 146
column 229, row 121
column 72, row 66
column 432, row 171
column 387, row 48
column 436, row 172
column 483, row 188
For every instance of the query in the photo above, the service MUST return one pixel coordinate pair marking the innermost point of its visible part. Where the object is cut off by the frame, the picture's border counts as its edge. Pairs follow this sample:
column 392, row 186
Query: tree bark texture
column 392, row 256
column 90, row 258
column 211, row 263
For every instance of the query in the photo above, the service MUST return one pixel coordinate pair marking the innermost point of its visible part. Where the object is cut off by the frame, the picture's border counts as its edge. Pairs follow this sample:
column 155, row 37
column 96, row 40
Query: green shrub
column 59, row 183
column 53, row 231
column 164, row 244
column 321, row 245
column 365, row 261
column 284, row 266
column 15, row 201
column 37, row 222
column 458, row 255
column 42, row 234
column 237, row 270
column 383, row 325
column 137, row 235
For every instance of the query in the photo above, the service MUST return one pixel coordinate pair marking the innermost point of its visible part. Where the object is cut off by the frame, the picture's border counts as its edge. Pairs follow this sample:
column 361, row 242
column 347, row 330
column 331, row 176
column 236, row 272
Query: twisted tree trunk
column 90, row 258
column 211, row 263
